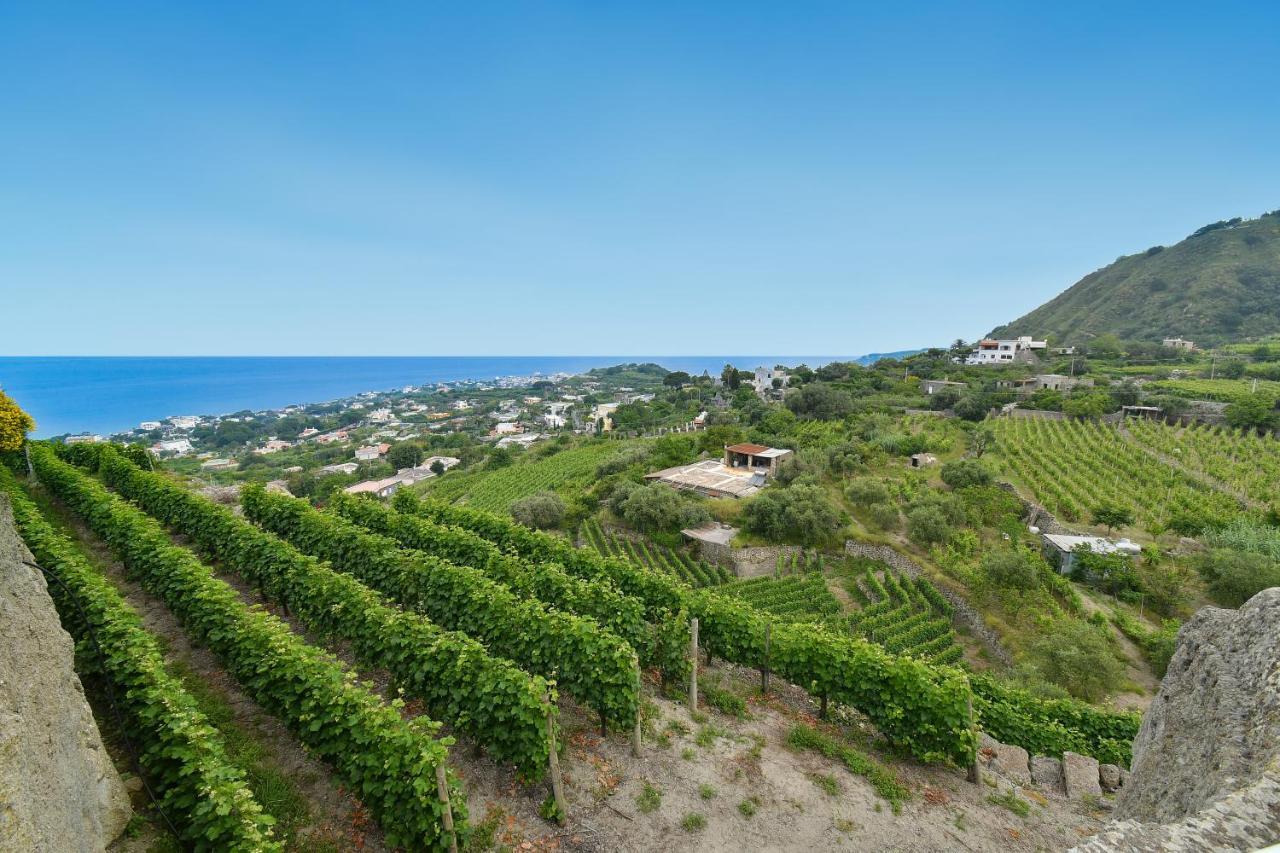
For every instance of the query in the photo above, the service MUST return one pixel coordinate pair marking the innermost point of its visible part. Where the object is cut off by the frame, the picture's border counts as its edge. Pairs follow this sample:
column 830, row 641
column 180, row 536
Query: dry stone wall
column 59, row 790
column 963, row 611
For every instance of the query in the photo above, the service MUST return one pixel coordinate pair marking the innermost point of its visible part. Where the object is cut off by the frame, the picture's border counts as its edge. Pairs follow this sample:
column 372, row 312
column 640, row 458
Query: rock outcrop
column 59, row 790
column 1206, row 766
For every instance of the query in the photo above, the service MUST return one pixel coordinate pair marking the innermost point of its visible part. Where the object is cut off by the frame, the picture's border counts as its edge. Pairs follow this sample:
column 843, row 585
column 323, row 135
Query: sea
column 106, row 395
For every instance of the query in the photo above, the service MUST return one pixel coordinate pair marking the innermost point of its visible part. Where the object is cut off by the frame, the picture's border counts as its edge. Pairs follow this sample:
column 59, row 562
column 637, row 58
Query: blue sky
column 550, row 178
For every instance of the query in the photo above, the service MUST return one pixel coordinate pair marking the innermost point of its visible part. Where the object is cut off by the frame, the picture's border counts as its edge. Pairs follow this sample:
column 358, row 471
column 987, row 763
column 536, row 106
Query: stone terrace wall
column 964, row 612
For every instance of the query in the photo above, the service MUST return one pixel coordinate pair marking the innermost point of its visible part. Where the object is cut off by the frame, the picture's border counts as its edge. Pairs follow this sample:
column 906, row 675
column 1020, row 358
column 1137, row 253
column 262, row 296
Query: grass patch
column 826, row 782
column 724, row 701
column 692, row 822
column 706, row 792
column 688, row 753
column 1012, row 802
column 748, row 807
column 706, row 737
column 484, row 832
column 881, row 779
column 649, row 798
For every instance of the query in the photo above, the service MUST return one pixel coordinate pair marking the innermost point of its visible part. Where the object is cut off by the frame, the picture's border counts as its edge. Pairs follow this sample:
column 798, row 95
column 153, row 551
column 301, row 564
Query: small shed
column 1151, row 412
column 923, row 460
column 1061, row 548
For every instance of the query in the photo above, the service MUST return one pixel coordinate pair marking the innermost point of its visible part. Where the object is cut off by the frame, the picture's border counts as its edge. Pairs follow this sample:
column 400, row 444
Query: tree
column 972, row 406
column 1012, row 568
column 500, row 457
column 1112, row 515
column 981, row 440
column 437, row 467
column 406, row 454
column 943, row 399
column 800, row 514
column 656, row 507
column 820, row 401
column 14, row 424
column 926, row 525
column 1075, row 655
column 731, row 377
column 541, row 511
column 963, row 473
column 676, row 379
column 1106, row 346
column 1251, row 412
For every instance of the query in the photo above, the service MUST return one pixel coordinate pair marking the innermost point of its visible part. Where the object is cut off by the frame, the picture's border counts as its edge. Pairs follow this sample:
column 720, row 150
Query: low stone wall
column 1035, row 515
column 758, row 562
column 964, row 612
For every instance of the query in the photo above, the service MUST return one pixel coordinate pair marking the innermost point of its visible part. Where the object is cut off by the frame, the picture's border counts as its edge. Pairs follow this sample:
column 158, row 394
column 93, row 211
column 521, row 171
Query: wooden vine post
column 764, row 671
column 553, row 761
column 975, row 772
column 442, row 788
column 693, row 664
column 635, row 732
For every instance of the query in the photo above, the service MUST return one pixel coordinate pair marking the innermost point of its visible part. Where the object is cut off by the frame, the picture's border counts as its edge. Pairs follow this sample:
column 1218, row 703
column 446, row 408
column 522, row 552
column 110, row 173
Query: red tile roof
column 749, row 449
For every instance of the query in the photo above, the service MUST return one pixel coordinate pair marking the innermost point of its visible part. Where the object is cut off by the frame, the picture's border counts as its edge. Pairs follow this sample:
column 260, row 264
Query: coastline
column 112, row 394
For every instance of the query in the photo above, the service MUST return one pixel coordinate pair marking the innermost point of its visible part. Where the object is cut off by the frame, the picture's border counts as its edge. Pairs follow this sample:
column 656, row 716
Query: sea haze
column 106, row 395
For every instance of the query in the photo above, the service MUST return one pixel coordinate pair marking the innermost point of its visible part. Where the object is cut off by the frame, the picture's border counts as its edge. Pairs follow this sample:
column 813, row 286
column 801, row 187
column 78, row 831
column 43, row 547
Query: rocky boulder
column 59, row 790
column 1206, row 762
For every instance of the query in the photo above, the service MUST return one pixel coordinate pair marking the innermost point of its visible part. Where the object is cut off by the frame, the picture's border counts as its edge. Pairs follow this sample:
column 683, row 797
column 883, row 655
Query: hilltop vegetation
column 1220, row 283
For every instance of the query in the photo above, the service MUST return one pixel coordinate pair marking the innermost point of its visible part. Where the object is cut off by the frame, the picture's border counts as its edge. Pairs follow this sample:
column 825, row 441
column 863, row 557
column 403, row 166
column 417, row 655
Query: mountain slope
column 1223, row 282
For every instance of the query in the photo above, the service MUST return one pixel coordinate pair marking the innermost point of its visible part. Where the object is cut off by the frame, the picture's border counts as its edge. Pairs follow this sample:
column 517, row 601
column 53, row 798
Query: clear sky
column 645, row 177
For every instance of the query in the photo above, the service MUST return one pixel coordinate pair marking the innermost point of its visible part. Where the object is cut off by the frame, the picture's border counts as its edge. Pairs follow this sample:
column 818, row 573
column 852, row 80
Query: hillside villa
column 991, row 351
column 740, row 473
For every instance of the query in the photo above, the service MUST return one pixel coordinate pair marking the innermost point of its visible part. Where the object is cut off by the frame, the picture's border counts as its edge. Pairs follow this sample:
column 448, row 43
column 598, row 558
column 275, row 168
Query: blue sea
column 108, row 395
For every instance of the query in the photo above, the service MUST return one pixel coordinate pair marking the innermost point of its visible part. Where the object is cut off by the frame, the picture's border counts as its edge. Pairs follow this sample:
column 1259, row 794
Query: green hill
column 1222, row 282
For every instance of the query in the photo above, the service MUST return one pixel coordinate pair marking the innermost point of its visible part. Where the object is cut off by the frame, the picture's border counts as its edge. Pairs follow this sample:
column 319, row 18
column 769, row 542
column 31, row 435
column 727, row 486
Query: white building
column 87, row 438
column 176, row 446
column 219, row 464
column 185, row 421
column 149, row 425
column 380, row 488
column 371, row 452
column 990, row 351
column 1178, row 343
column 339, row 468
column 275, row 445
column 1062, row 548
column 381, row 415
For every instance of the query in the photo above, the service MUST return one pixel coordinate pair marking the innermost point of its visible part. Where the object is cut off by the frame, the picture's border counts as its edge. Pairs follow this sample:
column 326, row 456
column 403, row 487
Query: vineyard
column 1242, row 460
column 1072, row 466
column 471, row 616
column 393, row 761
column 659, row 558
column 496, row 490
column 908, row 617
column 793, row 598
column 1222, row 390
column 921, row 708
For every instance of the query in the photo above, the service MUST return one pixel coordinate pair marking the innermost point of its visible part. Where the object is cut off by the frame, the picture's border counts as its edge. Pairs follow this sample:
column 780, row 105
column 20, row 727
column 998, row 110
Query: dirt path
column 334, row 820
column 1137, row 670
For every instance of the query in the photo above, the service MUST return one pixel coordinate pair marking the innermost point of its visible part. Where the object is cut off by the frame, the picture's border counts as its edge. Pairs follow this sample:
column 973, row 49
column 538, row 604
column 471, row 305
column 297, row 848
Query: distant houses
column 275, row 445
column 339, row 468
column 990, row 351
column 371, row 452
column 148, row 426
column 172, row 447
column 1178, row 343
column 89, row 438
column 1045, row 382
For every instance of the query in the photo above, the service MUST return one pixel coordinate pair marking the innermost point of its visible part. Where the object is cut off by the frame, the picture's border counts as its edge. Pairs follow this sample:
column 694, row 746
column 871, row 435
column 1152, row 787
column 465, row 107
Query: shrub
column 1077, row 657
column 1013, row 568
column 926, row 525
column 884, row 516
column 865, row 491
column 541, row 511
column 964, row 473
column 657, row 507
column 1236, row 576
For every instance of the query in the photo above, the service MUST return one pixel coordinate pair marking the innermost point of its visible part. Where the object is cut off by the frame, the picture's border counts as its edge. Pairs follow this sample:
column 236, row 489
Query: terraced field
column 696, row 573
